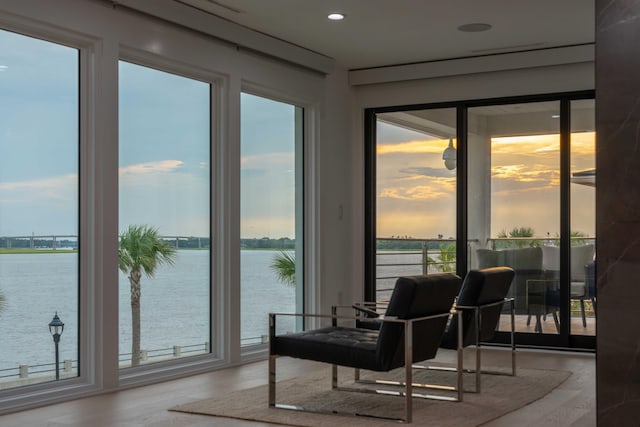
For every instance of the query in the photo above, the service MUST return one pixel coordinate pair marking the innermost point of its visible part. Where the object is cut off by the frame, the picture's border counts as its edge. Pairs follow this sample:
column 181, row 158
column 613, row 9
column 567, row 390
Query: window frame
column 218, row 348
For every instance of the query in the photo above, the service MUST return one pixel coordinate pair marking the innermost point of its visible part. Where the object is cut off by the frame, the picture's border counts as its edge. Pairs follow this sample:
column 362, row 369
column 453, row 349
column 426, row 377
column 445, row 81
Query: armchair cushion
column 336, row 345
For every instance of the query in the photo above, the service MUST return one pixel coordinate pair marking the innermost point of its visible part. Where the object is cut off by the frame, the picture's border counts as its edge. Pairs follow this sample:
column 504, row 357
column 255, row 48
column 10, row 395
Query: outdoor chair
column 410, row 331
column 481, row 299
column 580, row 257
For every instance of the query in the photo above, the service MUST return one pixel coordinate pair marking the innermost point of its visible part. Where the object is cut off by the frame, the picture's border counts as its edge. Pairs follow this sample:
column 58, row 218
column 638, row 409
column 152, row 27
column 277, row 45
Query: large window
column 39, row 143
column 164, row 203
column 271, row 214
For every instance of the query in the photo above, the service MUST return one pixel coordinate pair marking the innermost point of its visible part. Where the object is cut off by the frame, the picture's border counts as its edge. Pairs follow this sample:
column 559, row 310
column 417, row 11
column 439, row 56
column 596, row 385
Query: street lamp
column 56, row 327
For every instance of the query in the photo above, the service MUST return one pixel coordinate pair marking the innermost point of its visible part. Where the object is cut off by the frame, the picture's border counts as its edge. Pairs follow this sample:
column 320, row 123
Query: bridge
column 70, row 241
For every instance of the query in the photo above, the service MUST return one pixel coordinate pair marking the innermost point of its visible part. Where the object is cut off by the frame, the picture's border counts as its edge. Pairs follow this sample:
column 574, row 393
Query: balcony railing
column 398, row 256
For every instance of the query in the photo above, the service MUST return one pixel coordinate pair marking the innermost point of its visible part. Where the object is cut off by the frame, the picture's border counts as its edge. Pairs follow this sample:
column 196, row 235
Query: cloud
column 413, row 193
column 162, row 166
column 62, row 188
column 429, row 172
column 412, row 147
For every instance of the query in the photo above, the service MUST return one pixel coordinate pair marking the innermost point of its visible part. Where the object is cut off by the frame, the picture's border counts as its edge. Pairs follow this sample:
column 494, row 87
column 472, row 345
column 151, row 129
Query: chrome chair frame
column 368, row 308
column 408, row 384
column 477, row 310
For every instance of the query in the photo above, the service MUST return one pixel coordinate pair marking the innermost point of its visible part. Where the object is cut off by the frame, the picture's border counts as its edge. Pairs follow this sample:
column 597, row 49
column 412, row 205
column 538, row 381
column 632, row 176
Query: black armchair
column 411, row 331
column 481, row 301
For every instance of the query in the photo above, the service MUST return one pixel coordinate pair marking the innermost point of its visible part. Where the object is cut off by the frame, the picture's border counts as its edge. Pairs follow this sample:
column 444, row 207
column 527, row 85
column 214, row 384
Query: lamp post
column 56, row 327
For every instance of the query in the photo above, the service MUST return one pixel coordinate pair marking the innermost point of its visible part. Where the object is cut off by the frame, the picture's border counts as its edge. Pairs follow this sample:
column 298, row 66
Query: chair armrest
column 390, row 319
column 369, row 313
column 489, row 304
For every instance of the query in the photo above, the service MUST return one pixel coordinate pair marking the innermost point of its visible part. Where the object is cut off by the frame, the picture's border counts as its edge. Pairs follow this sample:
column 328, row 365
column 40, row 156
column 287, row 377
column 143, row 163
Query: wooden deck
column 548, row 326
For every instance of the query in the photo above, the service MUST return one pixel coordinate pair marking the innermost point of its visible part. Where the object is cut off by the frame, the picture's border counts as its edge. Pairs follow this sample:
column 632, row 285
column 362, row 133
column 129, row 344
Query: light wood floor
column 571, row 404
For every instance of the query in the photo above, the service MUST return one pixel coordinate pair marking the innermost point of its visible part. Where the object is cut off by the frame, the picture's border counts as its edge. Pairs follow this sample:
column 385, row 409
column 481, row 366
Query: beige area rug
column 500, row 395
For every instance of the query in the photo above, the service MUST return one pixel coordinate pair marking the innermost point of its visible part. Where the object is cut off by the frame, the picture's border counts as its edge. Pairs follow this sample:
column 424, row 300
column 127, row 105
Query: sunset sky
column 164, row 160
column 164, row 154
column 416, row 193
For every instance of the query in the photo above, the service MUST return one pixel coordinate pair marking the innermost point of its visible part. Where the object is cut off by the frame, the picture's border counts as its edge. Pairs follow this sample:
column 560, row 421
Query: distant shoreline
column 6, row 251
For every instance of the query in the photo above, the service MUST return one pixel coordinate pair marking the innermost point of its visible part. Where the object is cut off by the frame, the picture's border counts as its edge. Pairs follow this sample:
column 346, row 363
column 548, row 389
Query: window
column 164, row 203
column 415, row 195
column 271, row 257
column 39, row 146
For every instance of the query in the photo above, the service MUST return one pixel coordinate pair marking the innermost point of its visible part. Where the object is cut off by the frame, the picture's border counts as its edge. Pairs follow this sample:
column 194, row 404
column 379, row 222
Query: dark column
column 618, row 211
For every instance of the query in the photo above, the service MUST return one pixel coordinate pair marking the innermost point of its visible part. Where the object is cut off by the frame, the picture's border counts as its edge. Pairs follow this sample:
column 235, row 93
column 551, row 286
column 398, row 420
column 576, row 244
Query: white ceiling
column 379, row 33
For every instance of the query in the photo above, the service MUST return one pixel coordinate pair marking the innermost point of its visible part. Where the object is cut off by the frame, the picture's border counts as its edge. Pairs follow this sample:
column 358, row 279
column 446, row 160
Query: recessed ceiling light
column 336, row 16
column 555, row 116
column 474, row 27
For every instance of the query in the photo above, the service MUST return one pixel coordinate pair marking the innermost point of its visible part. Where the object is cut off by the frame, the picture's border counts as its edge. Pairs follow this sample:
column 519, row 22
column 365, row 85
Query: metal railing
column 427, row 256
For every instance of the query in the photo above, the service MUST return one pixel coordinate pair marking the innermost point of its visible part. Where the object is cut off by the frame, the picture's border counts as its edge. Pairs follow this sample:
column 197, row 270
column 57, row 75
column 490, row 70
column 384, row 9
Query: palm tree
column 141, row 250
column 516, row 234
column 447, row 258
column 284, row 265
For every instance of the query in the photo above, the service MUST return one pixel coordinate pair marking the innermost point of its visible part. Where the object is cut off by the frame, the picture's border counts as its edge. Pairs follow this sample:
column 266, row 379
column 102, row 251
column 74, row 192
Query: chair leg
column 460, row 361
column 408, row 372
column 334, row 376
column 272, row 380
column 478, row 321
column 556, row 321
column 513, row 337
column 584, row 317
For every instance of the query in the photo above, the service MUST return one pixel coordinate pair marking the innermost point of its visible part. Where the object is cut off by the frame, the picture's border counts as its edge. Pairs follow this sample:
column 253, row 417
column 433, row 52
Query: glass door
column 583, row 218
column 415, row 195
column 514, row 194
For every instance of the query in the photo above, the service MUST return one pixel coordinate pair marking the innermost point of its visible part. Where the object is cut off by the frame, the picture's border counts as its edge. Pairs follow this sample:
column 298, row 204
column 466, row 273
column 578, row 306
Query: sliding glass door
column 582, row 193
column 519, row 194
column 520, row 175
column 415, row 195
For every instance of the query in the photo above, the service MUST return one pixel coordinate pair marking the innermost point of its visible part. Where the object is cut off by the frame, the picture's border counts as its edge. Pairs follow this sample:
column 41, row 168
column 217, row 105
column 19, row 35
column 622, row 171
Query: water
column 175, row 304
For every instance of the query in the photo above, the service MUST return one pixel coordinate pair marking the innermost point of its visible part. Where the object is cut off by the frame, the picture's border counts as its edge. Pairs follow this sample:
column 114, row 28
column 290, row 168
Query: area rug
column 500, row 395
